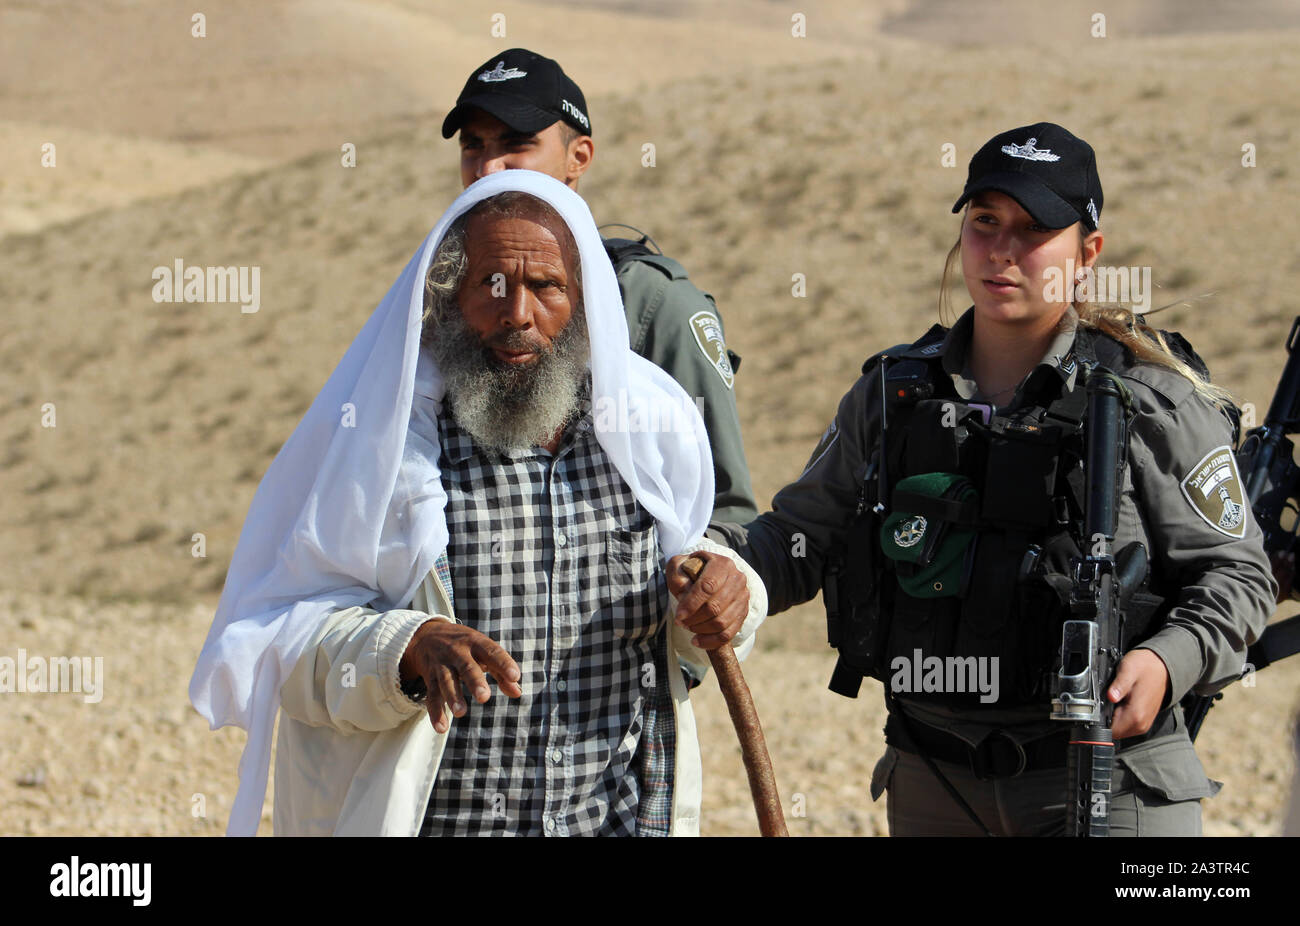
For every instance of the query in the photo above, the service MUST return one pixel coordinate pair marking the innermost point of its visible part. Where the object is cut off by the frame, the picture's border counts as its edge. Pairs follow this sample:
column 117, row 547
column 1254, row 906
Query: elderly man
column 520, row 110
column 470, row 514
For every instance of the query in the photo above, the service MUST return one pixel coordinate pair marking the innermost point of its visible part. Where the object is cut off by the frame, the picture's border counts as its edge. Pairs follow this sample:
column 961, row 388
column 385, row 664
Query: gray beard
column 508, row 409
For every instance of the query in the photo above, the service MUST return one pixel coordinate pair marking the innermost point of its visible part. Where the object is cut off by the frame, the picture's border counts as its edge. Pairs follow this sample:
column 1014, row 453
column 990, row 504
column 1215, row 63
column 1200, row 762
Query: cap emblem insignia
column 1029, row 152
column 500, row 73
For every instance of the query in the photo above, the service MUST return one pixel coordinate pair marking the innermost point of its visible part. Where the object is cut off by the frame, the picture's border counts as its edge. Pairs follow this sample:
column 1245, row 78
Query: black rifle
column 1091, row 639
column 1267, row 463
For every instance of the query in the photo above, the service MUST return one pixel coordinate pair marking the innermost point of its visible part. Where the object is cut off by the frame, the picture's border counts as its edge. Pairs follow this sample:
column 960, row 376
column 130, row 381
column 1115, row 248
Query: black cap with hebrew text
column 525, row 90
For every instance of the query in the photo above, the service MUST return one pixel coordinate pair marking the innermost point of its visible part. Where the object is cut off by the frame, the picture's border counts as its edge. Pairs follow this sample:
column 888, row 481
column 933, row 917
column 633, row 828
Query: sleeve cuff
column 743, row 641
column 395, row 633
column 1181, row 653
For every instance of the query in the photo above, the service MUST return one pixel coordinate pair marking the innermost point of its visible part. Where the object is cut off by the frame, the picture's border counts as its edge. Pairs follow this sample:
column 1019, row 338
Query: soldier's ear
column 578, row 158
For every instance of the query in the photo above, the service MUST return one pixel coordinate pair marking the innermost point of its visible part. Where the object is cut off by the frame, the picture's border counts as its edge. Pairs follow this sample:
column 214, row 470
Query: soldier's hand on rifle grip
column 1138, row 692
column 714, row 607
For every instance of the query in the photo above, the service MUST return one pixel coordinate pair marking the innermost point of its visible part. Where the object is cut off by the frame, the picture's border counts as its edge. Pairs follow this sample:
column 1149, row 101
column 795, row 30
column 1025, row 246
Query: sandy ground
column 774, row 156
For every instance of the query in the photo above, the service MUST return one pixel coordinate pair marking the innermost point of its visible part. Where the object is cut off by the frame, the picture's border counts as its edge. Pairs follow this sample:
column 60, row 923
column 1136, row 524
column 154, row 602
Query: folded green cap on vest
column 927, row 534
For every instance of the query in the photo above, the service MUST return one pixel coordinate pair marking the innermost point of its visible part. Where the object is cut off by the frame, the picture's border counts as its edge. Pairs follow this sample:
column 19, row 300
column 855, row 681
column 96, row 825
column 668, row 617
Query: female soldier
column 954, row 585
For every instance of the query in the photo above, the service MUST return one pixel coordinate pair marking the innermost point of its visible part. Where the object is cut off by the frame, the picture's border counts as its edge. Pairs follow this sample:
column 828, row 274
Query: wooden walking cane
column 753, row 748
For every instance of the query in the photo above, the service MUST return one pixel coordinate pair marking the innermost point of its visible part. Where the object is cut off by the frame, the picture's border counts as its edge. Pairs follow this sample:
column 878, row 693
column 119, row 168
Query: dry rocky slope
column 168, row 414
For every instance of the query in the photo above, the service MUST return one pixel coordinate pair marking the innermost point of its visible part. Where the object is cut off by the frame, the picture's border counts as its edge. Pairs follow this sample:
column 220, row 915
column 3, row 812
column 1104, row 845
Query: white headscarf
column 351, row 510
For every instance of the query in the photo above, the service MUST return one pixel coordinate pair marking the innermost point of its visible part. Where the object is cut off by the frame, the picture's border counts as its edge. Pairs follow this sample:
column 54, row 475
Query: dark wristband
column 415, row 689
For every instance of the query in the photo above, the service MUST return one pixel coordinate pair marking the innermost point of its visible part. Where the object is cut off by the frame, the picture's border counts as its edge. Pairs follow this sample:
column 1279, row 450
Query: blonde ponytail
column 1147, row 346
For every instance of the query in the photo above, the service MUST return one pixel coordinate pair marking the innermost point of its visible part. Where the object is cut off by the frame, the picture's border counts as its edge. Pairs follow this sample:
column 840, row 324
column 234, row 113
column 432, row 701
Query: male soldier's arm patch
column 708, row 335
column 1213, row 488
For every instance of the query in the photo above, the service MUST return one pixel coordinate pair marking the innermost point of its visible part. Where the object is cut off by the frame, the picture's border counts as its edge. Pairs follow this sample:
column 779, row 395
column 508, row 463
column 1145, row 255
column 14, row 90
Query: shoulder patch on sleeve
column 1213, row 488
column 708, row 335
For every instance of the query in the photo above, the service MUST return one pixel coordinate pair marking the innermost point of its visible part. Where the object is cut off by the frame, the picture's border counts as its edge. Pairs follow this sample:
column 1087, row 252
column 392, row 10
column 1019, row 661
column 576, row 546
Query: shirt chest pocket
column 633, row 595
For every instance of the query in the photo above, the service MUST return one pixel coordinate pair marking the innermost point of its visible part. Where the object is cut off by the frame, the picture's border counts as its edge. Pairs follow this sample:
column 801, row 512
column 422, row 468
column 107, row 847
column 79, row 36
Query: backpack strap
column 621, row 250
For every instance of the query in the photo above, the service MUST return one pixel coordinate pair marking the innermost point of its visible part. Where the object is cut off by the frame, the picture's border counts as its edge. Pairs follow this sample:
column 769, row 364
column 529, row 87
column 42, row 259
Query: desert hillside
column 775, row 156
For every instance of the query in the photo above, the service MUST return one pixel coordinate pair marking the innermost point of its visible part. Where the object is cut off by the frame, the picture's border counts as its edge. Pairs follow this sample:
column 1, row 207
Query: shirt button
column 561, row 684
column 550, row 824
column 556, row 756
column 561, row 540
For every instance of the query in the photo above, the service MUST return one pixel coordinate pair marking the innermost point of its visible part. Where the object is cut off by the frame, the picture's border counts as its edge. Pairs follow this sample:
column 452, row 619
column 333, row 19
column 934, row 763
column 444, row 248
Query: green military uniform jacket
column 677, row 327
column 1225, row 588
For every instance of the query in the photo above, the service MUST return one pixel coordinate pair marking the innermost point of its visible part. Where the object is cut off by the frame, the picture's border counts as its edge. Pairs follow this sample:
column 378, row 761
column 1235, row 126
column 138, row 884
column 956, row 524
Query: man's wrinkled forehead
column 535, row 216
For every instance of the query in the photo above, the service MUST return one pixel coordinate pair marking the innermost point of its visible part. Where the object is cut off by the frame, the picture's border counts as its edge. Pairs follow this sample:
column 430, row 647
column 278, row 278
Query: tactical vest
column 1024, row 518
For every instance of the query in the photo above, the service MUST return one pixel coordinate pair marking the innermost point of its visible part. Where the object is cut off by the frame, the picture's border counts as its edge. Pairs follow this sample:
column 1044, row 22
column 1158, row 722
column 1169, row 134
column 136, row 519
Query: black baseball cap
column 525, row 90
column 1051, row 173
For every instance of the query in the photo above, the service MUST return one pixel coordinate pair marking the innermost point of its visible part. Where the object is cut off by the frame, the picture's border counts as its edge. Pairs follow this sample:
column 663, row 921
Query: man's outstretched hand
column 715, row 607
column 452, row 658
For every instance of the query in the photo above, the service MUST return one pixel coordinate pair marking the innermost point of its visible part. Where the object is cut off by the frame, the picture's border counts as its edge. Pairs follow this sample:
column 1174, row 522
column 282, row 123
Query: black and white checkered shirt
column 554, row 558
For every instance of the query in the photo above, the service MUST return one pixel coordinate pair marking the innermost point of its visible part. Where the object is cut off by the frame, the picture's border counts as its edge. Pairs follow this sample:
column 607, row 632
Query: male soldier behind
column 520, row 110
